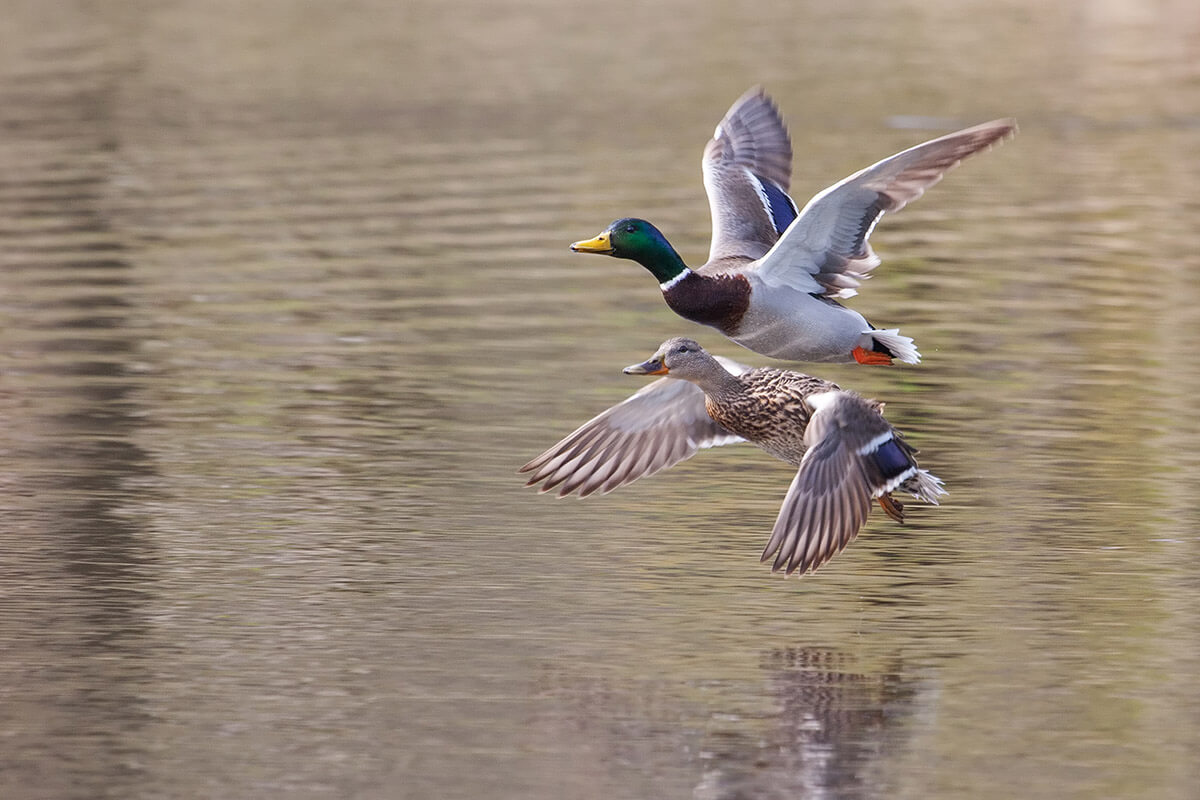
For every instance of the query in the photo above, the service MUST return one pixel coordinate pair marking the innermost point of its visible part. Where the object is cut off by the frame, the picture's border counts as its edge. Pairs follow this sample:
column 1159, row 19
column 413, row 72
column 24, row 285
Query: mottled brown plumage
column 845, row 450
column 769, row 410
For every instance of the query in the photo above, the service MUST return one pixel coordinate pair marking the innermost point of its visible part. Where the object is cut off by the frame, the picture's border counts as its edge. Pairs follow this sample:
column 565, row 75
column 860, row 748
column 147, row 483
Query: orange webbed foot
column 871, row 357
column 892, row 507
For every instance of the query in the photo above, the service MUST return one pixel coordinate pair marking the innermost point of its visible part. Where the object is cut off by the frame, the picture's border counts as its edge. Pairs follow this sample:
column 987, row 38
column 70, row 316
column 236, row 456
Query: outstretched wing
column 826, row 251
column 852, row 457
column 747, row 167
column 659, row 426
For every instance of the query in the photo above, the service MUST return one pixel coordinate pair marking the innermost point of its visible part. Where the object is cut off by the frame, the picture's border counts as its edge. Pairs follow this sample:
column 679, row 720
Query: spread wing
column 825, row 251
column 657, row 427
column 747, row 167
column 830, row 497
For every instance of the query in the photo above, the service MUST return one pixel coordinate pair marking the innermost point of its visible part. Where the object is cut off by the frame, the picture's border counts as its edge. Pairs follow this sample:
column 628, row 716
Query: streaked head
column 680, row 358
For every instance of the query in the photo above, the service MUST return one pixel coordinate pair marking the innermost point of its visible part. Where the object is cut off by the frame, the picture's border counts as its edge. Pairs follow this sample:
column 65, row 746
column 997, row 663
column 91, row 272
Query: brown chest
column 717, row 300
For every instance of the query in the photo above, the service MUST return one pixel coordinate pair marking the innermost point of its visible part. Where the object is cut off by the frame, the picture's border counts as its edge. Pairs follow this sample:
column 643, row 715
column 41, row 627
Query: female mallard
column 847, row 453
column 773, row 276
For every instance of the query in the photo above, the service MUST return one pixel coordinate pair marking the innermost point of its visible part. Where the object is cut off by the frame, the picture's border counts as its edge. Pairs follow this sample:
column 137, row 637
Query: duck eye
column 629, row 229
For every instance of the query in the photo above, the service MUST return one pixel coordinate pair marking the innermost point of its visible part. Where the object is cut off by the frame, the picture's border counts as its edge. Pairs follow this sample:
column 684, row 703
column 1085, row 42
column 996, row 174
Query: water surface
column 287, row 300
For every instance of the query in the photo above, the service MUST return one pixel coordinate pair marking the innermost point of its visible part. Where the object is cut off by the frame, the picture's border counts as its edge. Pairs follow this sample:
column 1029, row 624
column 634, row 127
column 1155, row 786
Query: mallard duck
column 847, row 453
column 774, row 275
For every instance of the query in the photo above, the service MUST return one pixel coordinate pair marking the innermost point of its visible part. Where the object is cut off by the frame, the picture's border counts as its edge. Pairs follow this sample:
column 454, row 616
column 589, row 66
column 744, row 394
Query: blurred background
column 286, row 299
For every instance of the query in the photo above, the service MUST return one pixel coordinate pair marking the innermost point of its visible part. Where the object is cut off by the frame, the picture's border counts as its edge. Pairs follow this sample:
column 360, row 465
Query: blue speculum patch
column 783, row 210
column 891, row 458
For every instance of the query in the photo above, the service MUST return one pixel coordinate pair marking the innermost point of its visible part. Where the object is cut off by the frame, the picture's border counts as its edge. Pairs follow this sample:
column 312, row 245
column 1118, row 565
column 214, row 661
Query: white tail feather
column 901, row 347
column 926, row 486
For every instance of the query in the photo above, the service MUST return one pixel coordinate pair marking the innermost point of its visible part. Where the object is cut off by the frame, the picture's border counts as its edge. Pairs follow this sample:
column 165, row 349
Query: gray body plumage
column 798, row 263
column 823, row 252
column 826, row 332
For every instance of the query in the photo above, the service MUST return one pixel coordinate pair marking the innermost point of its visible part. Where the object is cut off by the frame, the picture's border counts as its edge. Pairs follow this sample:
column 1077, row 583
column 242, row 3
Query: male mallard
column 773, row 276
column 846, row 451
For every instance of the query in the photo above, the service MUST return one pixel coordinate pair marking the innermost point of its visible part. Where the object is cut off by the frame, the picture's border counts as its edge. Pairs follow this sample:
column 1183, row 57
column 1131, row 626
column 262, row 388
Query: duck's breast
column 771, row 412
column 717, row 300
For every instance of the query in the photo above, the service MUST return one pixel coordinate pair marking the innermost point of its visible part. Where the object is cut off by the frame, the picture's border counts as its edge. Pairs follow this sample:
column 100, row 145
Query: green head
column 638, row 241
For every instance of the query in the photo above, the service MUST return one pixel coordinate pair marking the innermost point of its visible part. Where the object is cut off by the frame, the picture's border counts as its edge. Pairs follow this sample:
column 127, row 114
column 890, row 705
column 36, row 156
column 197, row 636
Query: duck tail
column 892, row 466
column 901, row 347
column 925, row 486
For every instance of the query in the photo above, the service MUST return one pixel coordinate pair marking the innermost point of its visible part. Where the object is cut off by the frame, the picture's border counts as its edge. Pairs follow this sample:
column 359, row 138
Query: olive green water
column 286, row 299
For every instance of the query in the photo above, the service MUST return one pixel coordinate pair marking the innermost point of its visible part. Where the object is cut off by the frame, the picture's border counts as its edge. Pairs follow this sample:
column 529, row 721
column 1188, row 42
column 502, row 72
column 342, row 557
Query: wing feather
column 826, row 250
column 830, row 496
column 747, row 168
column 662, row 424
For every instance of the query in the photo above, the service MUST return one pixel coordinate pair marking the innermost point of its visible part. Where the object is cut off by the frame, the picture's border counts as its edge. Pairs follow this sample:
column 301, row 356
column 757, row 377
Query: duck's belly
column 795, row 326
